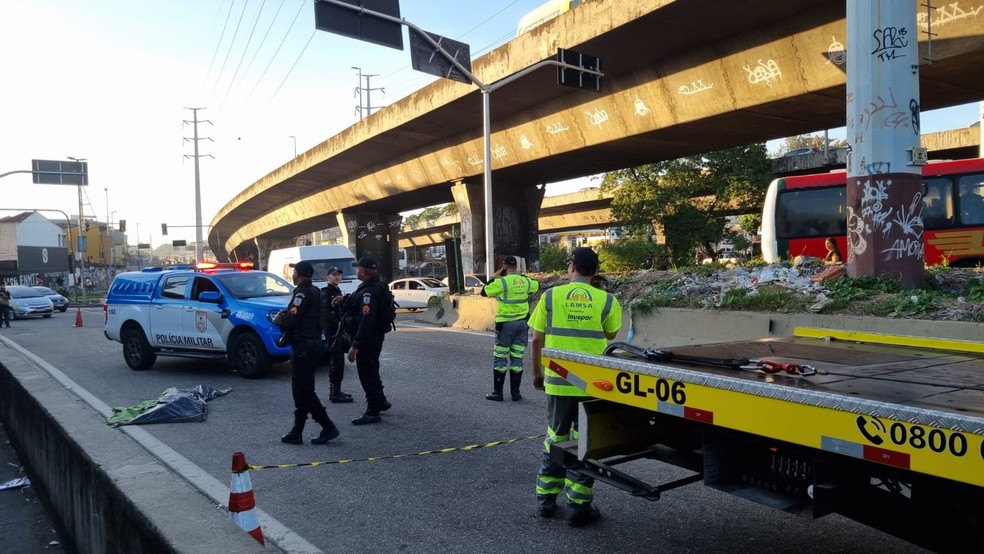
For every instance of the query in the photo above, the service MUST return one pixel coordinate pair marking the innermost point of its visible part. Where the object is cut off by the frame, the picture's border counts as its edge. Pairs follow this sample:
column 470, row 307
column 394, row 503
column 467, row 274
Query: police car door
column 203, row 320
column 167, row 313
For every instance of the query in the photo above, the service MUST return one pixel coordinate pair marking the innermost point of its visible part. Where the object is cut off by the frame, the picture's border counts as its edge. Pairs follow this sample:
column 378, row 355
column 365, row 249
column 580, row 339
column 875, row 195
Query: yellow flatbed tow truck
column 887, row 430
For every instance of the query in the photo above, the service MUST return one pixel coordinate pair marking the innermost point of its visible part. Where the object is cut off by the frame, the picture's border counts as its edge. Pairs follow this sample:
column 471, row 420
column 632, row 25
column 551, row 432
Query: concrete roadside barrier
column 103, row 488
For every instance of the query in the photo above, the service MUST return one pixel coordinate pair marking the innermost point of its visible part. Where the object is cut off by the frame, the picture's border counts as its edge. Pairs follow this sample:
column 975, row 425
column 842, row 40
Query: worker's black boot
column 583, row 514
column 515, row 378
column 337, row 396
column 294, row 436
column 498, row 379
column 328, row 429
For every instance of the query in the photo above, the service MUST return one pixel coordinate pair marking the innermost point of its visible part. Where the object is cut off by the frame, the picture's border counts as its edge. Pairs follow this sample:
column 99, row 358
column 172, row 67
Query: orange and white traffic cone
column 242, row 505
column 78, row 318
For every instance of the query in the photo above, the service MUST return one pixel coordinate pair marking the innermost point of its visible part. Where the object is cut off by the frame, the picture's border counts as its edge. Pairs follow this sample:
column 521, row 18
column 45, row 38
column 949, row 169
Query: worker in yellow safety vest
column 512, row 294
column 576, row 317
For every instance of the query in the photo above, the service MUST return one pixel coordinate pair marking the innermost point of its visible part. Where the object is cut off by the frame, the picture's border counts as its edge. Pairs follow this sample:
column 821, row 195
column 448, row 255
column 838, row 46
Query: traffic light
column 164, row 229
column 122, row 225
column 86, row 225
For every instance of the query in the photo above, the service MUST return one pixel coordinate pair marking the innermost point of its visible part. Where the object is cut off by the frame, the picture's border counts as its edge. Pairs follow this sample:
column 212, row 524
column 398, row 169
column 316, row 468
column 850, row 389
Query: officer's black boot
column 515, row 377
column 498, row 379
column 328, row 429
column 337, row 396
column 294, row 436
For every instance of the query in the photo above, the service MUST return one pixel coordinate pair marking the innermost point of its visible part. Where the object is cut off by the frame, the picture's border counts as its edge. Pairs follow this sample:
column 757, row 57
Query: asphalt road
column 480, row 500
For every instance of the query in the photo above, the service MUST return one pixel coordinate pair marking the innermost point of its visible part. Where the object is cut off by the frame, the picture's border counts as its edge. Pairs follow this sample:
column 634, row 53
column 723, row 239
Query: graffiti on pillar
column 641, row 109
column 446, row 162
column 694, row 87
column 597, row 117
column 557, row 127
column 909, row 223
column 765, row 72
column 836, row 54
column 914, row 115
column 904, row 223
column 508, row 227
column 525, row 142
column 474, row 160
column 890, row 43
column 499, row 152
column 945, row 14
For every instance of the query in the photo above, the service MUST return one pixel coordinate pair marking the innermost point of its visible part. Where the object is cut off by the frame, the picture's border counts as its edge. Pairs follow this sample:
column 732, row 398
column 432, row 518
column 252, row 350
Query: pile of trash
column 807, row 278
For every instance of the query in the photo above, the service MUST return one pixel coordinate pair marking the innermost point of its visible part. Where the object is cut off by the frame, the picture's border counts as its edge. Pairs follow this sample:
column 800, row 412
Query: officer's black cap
column 368, row 262
column 585, row 261
column 333, row 271
column 304, row 269
column 510, row 261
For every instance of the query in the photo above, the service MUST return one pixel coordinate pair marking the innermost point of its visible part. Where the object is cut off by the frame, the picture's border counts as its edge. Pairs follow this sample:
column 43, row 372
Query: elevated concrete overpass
column 591, row 209
column 682, row 77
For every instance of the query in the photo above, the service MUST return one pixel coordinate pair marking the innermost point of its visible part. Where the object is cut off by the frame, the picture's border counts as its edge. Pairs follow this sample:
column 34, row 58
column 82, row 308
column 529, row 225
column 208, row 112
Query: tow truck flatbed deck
column 916, row 409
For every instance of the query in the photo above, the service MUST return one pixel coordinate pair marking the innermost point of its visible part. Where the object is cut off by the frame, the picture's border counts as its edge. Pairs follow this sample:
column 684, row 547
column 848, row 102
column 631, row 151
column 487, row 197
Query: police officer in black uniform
column 360, row 320
column 338, row 345
column 300, row 323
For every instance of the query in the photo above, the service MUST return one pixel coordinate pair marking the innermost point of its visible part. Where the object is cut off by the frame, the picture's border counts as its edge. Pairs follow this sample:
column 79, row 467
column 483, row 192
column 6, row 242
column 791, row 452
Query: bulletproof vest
column 310, row 327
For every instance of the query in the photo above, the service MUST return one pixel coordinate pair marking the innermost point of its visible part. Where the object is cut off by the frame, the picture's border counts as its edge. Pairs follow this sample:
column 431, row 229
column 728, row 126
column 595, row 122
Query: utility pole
column 80, row 241
column 368, row 90
column 198, row 180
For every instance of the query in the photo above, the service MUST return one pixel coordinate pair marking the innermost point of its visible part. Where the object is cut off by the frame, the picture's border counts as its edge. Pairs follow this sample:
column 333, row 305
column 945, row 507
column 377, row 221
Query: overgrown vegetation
column 629, row 255
column 552, row 258
column 690, row 198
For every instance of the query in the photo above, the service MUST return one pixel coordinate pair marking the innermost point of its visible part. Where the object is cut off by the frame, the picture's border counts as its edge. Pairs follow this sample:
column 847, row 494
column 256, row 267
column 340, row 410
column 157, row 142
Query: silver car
column 59, row 301
column 26, row 301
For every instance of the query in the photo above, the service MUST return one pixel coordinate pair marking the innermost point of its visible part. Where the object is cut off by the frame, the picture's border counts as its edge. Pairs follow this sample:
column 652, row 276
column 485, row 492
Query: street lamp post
column 295, row 145
column 112, row 239
column 78, row 245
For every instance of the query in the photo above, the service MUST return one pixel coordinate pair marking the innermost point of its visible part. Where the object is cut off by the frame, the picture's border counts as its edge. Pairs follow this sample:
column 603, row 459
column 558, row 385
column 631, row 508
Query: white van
column 322, row 258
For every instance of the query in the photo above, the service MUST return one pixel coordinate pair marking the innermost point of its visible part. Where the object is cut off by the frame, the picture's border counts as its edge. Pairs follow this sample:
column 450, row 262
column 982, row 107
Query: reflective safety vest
column 576, row 318
column 512, row 294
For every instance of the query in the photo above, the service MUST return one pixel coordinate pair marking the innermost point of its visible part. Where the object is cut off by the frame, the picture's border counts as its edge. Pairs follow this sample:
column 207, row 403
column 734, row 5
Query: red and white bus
column 801, row 212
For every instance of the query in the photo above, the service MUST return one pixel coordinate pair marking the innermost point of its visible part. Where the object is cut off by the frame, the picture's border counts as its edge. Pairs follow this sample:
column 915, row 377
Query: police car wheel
column 136, row 350
column 249, row 356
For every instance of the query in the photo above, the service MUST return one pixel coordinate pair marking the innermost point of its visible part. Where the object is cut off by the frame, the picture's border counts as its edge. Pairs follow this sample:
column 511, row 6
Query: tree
column 690, row 197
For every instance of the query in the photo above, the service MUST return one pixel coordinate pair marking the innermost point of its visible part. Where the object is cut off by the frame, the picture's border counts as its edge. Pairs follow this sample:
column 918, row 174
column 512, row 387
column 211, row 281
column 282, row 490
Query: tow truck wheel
column 136, row 350
column 249, row 356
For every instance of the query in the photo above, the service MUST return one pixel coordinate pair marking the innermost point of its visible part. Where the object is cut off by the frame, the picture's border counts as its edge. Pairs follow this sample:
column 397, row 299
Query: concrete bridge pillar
column 257, row 251
column 515, row 213
column 373, row 234
column 516, row 224
column 469, row 197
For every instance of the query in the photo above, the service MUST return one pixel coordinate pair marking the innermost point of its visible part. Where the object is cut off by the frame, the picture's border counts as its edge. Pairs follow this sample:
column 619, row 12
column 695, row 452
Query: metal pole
column 78, row 247
column 109, row 229
column 487, row 155
column 198, row 197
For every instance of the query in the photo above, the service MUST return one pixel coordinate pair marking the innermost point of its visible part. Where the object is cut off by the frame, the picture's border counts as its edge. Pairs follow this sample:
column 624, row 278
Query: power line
column 219, row 44
column 231, row 43
column 243, row 56
column 262, row 42
column 279, row 46
column 291, row 69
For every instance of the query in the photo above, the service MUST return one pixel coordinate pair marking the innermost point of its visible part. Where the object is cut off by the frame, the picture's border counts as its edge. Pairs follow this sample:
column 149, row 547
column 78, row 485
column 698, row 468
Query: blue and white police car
column 212, row 311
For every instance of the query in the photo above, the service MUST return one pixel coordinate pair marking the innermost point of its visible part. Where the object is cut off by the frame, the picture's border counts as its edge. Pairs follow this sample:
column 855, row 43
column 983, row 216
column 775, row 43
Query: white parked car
column 26, row 301
column 474, row 283
column 726, row 257
column 414, row 292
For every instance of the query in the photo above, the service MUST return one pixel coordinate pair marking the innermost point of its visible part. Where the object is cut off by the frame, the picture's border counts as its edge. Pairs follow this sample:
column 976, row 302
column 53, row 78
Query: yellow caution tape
column 396, row 456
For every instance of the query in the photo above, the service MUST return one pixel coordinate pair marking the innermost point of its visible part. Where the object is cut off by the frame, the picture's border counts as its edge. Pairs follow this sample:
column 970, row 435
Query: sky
column 109, row 81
